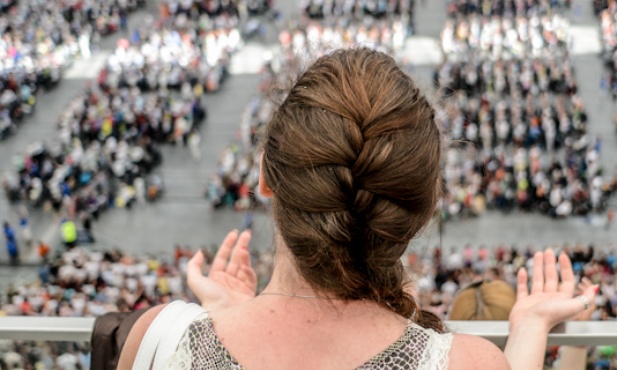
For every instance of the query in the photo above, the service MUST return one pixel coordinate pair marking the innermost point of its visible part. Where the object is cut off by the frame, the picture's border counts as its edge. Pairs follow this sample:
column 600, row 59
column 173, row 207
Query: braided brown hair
column 352, row 157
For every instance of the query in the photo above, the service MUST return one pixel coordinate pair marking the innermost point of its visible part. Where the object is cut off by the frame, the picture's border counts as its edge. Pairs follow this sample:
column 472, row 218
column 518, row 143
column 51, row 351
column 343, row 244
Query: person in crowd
column 494, row 300
column 43, row 251
column 352, row 180
column 11, row 243
column 24, row 225
column 483, row 300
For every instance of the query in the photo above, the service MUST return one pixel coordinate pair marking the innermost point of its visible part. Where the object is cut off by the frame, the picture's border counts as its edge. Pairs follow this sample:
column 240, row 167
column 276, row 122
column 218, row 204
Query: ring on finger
column 583, row 299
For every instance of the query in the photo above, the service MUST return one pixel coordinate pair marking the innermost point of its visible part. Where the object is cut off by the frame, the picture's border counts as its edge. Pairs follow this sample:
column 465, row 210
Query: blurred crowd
column 151, row 91
column 518, row 127
column 311, row 37
column 498, row 38
column 235, row 182
column 40, row 39
column 108, row 147
column 510, row 109
column 167, row 58
column 350, row 12
column 215, row 8
column 244, row 15
column 509, row 8
column 606, row 11
column 81, row 282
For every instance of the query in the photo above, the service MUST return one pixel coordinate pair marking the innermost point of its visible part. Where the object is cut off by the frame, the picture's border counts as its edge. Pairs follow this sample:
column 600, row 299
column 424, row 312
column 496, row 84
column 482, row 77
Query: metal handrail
column 53, row 329
column 79, row 329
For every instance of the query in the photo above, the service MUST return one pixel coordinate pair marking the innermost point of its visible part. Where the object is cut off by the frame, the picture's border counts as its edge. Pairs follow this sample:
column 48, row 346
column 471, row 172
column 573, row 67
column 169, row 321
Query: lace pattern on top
column 418, row 348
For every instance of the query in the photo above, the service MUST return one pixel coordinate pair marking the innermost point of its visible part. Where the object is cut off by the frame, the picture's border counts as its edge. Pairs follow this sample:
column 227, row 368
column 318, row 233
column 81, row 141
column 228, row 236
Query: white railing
column 53, row 329
column 78, row 329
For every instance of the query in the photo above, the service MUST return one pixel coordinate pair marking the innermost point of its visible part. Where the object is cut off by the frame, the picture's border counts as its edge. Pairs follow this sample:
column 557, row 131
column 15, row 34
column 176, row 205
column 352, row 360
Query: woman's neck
column 286, row 279
column 302, row 301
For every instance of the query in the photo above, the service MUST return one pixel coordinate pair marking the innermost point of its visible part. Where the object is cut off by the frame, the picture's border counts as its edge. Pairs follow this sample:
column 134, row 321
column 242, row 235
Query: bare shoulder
column 470, row 352
column 129, row 351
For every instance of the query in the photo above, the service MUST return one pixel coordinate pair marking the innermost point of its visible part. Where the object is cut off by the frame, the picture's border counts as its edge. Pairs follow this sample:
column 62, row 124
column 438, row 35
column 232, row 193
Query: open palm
column 231, row 280
column 548, row 303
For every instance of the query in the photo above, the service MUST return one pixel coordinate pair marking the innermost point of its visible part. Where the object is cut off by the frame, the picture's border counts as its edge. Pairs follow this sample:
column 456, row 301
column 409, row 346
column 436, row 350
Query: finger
column 595, row 289
column 590, row 294
column 248, row 278
column 222, row 255
column 537, row 285
column 521, row 284
column 586, row 282
column 583, row 285
column 232, row 268
column 193, row 268
column 567, row 275
column 551, row 279
column 251, row 278
column 239, row 255
column 572, row 307
column 245, row 255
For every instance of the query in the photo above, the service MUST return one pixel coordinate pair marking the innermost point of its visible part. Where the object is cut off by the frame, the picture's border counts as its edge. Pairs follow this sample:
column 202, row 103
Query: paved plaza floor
column 183, row 215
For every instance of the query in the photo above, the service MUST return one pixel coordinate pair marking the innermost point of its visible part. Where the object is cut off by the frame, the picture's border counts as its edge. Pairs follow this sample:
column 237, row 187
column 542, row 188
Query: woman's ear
column 264, row 189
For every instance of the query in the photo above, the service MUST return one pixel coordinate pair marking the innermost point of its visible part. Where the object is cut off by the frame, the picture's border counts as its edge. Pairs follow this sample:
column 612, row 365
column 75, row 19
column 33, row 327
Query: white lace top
column 418, row 349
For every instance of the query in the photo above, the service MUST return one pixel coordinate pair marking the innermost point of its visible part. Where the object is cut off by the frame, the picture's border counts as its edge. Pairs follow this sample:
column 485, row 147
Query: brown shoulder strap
column 108, row 337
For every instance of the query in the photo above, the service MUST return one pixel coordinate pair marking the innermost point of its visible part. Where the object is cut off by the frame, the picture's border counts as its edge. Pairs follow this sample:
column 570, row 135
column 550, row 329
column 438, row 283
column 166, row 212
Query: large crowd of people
column 151, row 91
column 518, row 132
column 167, row 58
column 606, row 11
column 247, row 16
column 42, row 38
column 517, row 124
column 524, row 141
column 381, row 18
column 216, row 8
column 509, row 8
column 81, row 282
column 511, row 110
column 358, row 10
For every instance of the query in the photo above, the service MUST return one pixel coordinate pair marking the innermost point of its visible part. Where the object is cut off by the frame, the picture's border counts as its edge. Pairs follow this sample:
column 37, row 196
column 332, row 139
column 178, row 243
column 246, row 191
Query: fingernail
column 596, row 289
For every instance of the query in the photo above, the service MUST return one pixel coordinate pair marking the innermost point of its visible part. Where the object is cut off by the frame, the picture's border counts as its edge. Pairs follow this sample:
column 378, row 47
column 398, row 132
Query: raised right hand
column 231, row 280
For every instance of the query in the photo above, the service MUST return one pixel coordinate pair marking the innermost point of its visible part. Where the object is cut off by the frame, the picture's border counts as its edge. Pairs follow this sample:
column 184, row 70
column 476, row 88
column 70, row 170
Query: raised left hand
column 548, row 303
